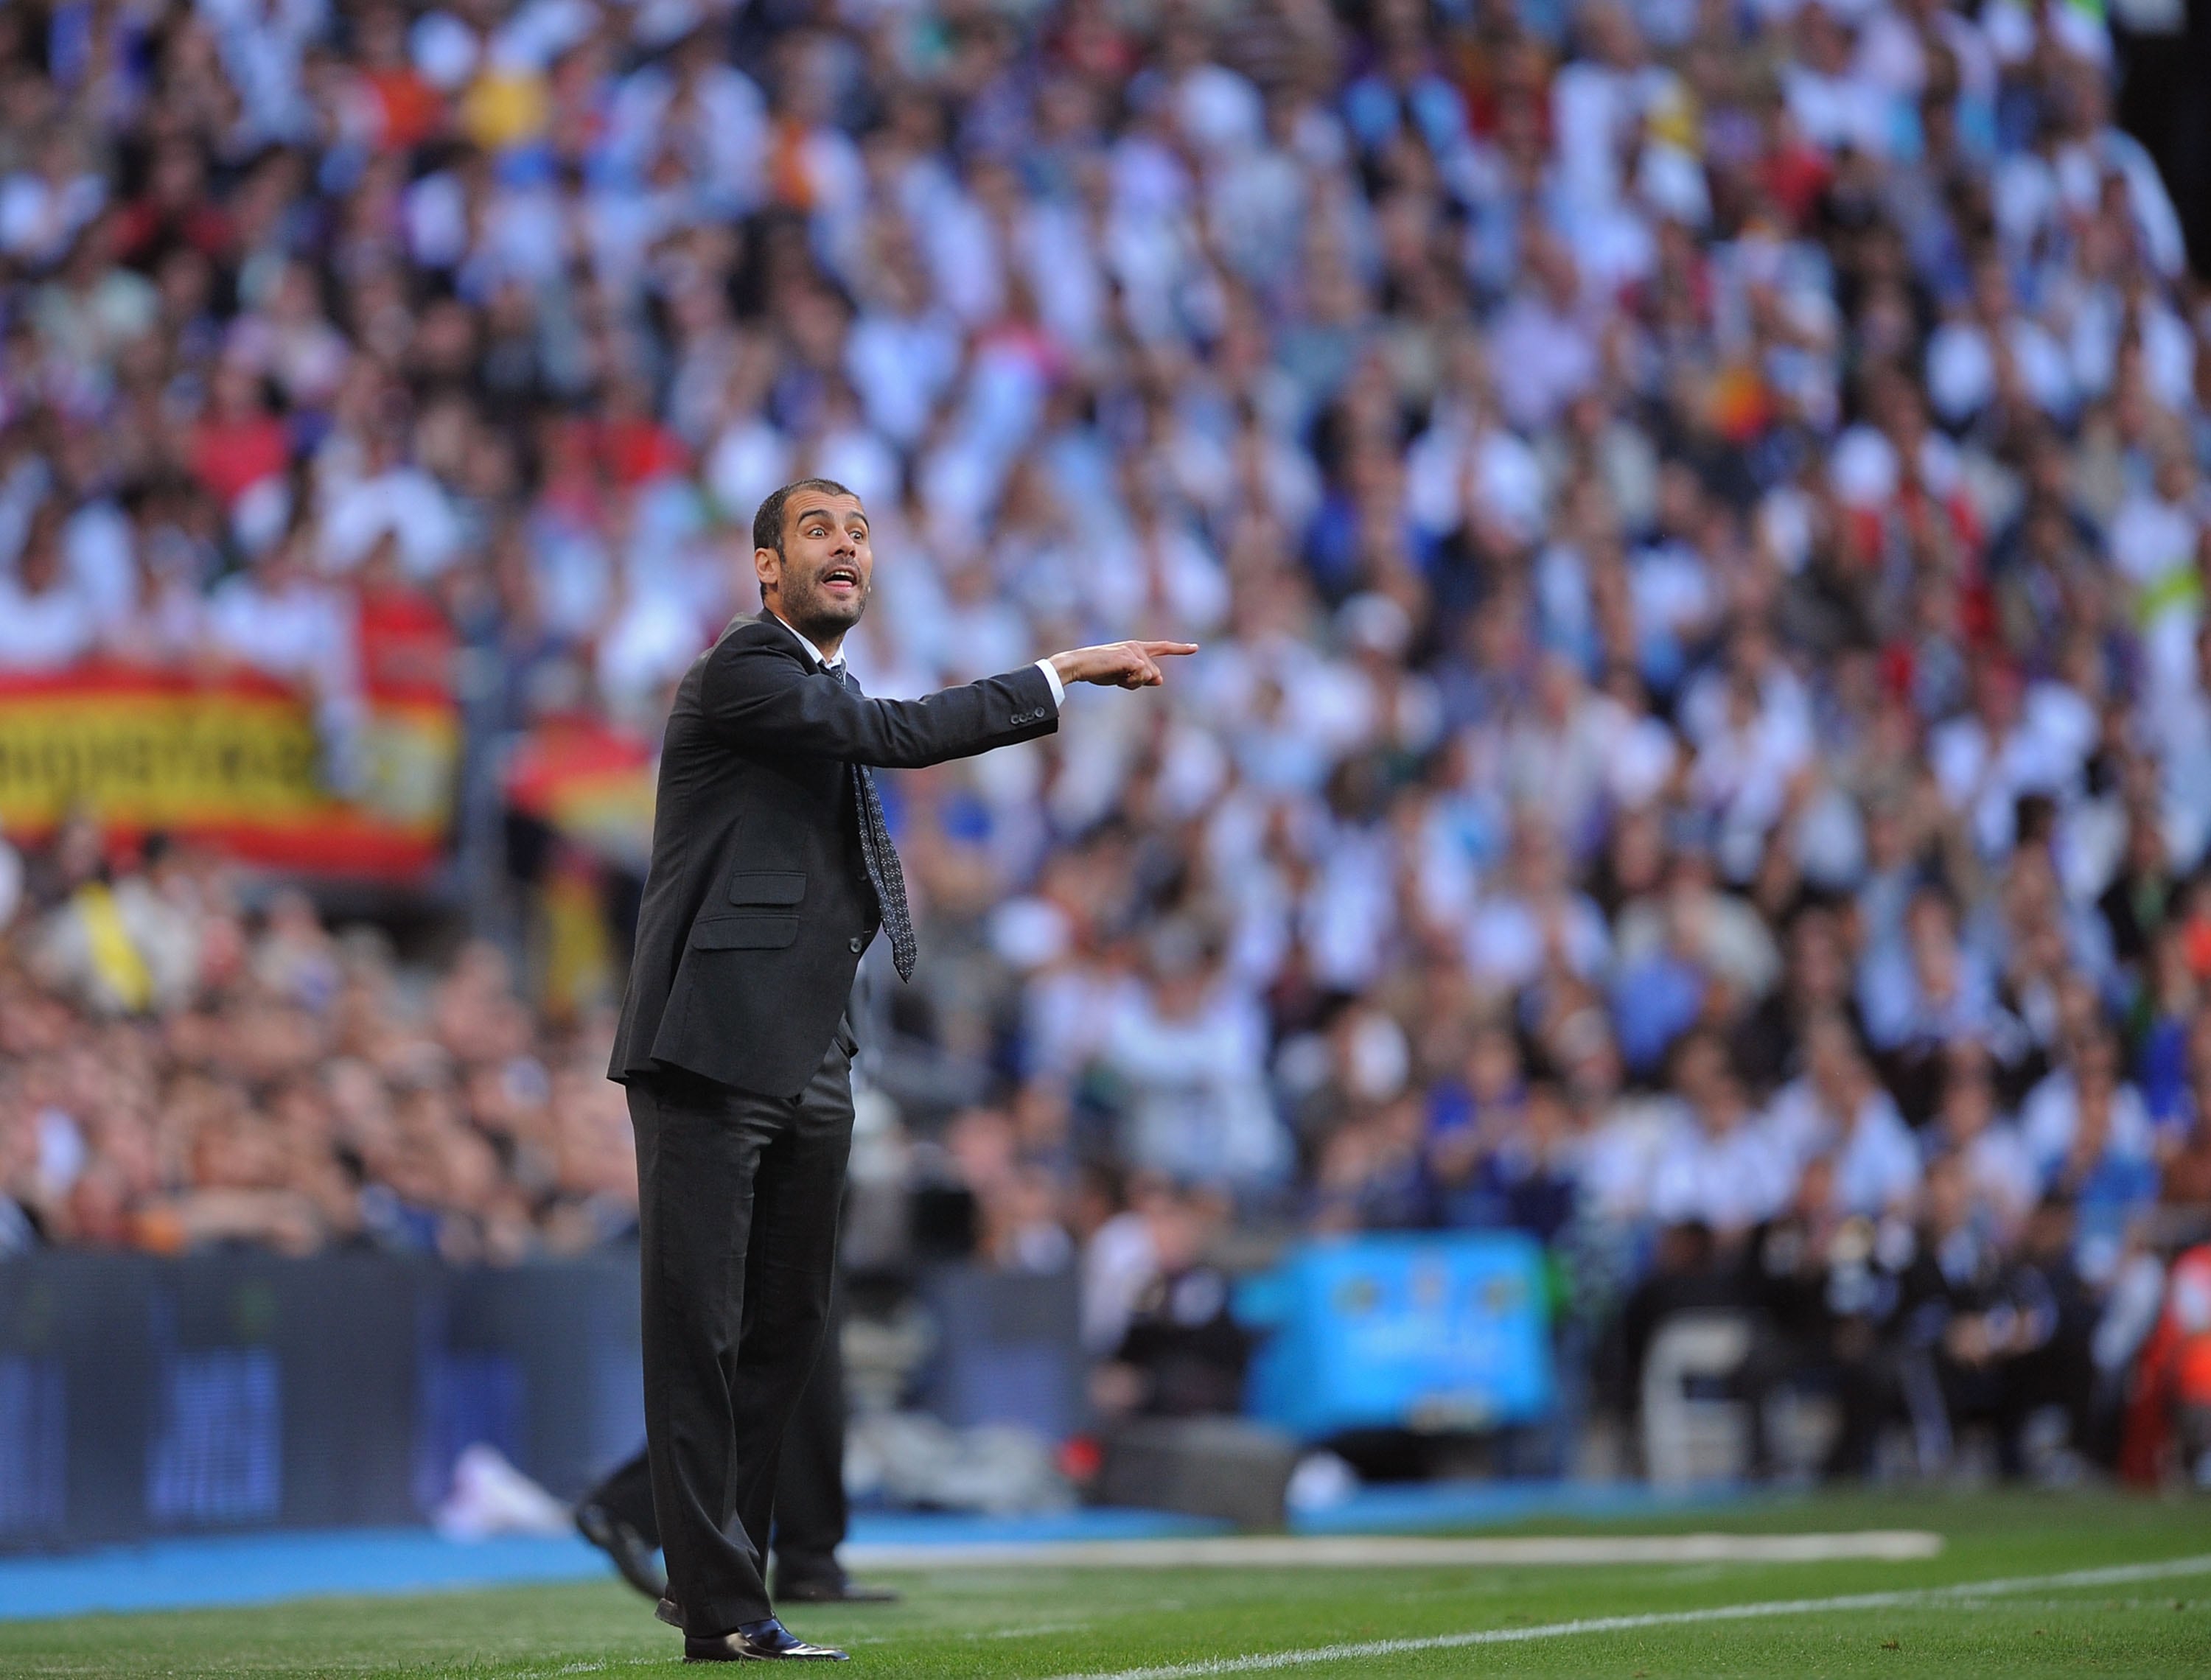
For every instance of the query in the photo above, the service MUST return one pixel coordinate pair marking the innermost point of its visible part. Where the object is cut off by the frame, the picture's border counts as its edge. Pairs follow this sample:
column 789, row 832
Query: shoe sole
column 737, row 1657
column 748, row 1657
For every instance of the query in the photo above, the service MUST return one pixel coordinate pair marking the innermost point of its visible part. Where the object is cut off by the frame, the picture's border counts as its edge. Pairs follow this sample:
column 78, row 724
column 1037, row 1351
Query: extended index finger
column 1153, row 649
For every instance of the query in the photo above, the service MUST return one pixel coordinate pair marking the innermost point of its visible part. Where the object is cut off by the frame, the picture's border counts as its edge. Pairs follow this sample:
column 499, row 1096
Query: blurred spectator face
column 1968, row 1104
column 1638, row 853
column 39, row 567
column 1818, row 973
column 184, row 282
column 468, row 1169
column 2048, row 1234
column 1184, row 963
column 981, row 1143
column 1492, row 1067
column 1815, row 1188
column 2096, row 1059
column 2093, row 1091
column 1683, row 1250
column 238, row 1153
column 1584, row 1047
column 1833, row 1057
column 1929, row 927
column 1708, row 1085
column 414, row 1168
column 1183, row 1225
column 1700, row 1067
column 1997, row 694
column 236, row 392
column 1947, row 1195
column 1547, row 1122
column 99, row 1208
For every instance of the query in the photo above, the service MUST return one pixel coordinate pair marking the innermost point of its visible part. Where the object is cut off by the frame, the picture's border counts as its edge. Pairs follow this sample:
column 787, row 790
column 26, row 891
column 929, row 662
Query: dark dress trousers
column 811, row 1514
column 732, row 1042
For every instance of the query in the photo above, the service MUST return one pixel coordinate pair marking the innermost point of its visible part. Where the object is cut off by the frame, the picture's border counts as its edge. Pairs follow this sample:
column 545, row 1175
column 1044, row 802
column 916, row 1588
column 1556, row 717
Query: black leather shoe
column 632, row 1553
column 767, row 1641
column 841, row 1591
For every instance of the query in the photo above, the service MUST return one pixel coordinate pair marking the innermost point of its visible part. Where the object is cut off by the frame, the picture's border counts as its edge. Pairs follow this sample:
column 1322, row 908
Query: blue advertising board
column 1418, row 1331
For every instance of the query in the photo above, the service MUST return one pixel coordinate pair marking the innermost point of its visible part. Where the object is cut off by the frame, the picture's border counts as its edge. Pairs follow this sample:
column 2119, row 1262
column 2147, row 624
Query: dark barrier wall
column 141, row 1397
column 1006, row 1350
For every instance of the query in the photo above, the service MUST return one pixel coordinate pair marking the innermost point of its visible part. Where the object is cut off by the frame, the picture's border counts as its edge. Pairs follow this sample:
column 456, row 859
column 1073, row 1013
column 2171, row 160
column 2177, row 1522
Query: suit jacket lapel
column 843, row 673
column 789, row 635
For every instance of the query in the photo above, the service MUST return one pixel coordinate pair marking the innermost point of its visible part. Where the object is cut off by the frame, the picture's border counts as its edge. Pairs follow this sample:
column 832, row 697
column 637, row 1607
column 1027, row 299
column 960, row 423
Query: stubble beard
column 818, row 617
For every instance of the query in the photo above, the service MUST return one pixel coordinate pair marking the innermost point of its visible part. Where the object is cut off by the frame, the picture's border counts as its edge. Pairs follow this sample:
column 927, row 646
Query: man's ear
column 767, row 568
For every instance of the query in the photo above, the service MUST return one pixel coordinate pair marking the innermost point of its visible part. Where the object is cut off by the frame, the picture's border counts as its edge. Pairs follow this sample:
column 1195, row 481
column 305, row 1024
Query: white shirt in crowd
column 1198, row 1106
column 1117, row 1266
column 2050, row 1116
column 298, row 631
column 1876, row 1161
column 1729, row 1181
column 2002, row 1172
column 45, row 632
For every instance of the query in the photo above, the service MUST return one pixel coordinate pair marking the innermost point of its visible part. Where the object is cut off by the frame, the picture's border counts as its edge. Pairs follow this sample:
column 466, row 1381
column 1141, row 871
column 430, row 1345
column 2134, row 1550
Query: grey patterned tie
column 882, row 859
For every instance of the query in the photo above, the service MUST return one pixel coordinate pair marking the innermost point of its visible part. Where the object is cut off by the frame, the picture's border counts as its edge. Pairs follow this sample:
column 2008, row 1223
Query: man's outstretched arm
column 757, row 694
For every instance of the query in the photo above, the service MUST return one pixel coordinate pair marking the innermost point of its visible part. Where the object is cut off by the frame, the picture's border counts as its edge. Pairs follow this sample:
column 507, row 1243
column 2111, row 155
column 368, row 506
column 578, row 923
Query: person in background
column 1686, row 1275
column 1819, row 1297
column 1983, row 1336
column 1183, row 1354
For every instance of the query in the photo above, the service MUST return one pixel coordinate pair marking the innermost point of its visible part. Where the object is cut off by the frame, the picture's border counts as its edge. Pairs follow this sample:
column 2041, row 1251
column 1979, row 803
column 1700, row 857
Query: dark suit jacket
column 757, row 904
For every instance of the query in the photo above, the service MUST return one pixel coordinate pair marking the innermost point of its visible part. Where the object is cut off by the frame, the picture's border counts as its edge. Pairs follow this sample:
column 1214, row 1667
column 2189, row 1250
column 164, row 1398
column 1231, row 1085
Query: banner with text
column 236, row 761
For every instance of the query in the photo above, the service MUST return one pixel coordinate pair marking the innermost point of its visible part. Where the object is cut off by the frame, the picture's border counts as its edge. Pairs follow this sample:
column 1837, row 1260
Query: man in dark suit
column 772, row 870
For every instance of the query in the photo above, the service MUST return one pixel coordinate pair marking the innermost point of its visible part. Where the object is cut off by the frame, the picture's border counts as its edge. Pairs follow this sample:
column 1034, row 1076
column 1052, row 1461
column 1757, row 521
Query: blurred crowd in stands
column 178, row 1074
column 1695, row 512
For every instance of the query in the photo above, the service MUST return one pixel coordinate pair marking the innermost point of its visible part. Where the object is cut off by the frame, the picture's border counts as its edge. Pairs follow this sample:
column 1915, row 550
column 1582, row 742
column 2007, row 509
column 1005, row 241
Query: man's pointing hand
column 1120, row 664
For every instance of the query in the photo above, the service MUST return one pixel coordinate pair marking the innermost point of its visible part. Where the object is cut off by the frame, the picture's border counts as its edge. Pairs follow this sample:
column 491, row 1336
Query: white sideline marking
column 1275, row 1551
column 2116, row 1575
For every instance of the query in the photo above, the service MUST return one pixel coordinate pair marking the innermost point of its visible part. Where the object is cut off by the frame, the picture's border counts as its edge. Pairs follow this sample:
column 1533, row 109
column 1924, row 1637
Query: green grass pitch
column 1985, row 1606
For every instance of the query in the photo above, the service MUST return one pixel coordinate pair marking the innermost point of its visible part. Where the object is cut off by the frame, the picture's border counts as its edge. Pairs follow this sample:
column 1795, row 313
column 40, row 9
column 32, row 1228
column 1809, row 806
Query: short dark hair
column 767, row 523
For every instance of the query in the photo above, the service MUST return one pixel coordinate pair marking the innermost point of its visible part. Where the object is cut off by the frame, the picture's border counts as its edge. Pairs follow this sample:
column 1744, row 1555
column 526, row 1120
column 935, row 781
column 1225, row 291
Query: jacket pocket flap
column 746, row 933
column 775, row 888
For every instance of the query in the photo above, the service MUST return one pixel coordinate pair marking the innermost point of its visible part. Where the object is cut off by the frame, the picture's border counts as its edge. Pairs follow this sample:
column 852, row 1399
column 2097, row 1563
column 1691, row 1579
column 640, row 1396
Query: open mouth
column 842, row 580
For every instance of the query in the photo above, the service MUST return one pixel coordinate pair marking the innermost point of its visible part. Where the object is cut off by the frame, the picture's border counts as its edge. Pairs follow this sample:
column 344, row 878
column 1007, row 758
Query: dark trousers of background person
column 738, row 1197
column 1844, row 1362
column 810, row 1514
column 1943, row 1395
